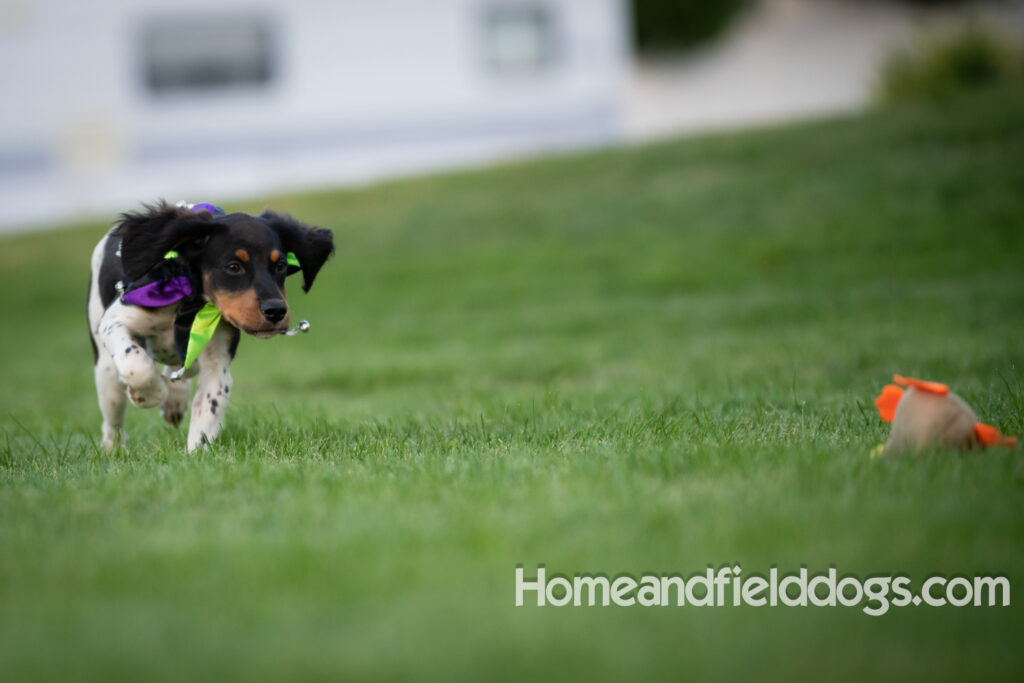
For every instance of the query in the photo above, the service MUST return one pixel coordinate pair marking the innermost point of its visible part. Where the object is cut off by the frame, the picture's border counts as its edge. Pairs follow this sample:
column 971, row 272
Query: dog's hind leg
column 176, row 403
column 110, row 393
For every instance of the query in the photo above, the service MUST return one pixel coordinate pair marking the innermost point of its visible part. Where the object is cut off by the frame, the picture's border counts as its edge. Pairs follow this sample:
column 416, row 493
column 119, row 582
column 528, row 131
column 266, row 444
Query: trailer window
column 201, row 54
column 520, row 40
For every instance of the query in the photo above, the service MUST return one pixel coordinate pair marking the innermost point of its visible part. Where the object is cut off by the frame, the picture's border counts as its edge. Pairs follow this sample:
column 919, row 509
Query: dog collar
column 291, row 259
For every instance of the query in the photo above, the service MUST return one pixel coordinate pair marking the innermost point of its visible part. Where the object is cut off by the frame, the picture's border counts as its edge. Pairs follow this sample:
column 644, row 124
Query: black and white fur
column 131, row 343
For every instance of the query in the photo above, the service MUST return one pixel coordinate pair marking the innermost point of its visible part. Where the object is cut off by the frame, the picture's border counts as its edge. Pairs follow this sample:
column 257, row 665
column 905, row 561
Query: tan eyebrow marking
column 274, row 255
column 242, row 255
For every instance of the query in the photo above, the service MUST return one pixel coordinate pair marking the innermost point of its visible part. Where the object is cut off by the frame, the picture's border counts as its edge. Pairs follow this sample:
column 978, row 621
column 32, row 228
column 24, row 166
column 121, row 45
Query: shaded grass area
column 654, row 359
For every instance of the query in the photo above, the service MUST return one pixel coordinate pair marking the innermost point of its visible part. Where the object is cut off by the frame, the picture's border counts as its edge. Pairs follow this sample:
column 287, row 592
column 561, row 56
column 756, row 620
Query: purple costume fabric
column 160, row 293
column 206, row 206
column 169, row 290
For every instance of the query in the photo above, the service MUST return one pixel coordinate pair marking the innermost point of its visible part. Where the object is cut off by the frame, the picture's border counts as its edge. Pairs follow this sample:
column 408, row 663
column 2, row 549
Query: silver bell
column 303, row 327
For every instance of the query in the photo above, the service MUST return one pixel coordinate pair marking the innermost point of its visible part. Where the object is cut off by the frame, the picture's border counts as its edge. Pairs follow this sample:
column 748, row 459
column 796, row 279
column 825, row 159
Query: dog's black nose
column 274, row 310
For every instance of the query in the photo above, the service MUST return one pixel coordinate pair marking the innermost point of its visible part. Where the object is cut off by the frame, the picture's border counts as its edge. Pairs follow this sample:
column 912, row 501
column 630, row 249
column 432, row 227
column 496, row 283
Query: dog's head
column 240, row 260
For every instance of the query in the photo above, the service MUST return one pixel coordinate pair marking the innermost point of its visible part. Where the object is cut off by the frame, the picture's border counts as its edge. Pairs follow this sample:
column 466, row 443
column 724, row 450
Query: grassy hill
column 652, row 359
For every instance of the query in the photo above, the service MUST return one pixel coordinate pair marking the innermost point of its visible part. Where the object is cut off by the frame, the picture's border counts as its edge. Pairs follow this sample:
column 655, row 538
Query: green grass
column 652, row 359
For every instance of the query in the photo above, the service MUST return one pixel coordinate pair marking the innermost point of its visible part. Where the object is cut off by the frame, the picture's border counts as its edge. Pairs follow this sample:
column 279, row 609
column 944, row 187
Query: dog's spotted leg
column 111, row 396
column 213, row 388
column 176, row 403
column 135, row 369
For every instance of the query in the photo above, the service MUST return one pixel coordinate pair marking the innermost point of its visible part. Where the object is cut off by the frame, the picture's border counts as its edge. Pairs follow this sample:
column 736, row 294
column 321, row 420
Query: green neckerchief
column 207, row 319
column 203, row 327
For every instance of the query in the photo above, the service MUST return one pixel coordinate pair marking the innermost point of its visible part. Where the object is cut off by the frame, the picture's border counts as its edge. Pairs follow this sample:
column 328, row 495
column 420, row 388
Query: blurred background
column 656, row 355
column 114, row 102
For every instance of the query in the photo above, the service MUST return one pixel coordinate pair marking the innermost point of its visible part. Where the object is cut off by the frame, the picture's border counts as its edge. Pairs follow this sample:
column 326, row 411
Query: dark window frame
column 544, row 17
column 204, row 54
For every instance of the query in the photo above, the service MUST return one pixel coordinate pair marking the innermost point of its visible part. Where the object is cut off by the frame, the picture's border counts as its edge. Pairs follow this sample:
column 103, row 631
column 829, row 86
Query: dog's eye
column 233, row 268
column 281, row 266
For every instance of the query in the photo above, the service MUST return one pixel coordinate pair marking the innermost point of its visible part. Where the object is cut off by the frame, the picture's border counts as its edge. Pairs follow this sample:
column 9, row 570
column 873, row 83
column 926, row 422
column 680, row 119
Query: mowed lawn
column 643, row 360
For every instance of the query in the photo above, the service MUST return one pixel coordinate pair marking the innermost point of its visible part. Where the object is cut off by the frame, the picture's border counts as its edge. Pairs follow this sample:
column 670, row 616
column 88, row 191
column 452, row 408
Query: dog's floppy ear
column 146, row 236
column 311, row 245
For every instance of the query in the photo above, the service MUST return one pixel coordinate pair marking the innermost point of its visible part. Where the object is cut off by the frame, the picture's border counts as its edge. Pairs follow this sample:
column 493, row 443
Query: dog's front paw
column 145, row 387
column 148, row 395
column 196, row 440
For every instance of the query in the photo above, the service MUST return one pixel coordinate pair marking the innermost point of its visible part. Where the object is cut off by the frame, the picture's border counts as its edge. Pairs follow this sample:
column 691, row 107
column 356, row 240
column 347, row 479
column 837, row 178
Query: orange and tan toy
column 928, row 414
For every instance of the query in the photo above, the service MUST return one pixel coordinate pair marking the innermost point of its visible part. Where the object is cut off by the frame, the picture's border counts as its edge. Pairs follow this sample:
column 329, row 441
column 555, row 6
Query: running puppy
column 176, row 285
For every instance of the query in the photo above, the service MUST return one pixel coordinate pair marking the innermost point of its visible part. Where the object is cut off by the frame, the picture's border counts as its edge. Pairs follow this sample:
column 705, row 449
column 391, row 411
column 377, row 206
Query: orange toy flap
column 887, row 400
column 990, row 436
column 931, row 387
